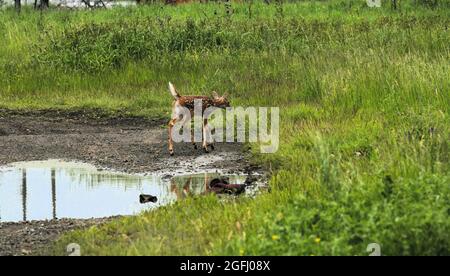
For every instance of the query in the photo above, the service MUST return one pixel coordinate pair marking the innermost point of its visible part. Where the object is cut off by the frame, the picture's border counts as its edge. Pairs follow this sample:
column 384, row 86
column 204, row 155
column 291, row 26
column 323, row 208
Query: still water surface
column 55, row 189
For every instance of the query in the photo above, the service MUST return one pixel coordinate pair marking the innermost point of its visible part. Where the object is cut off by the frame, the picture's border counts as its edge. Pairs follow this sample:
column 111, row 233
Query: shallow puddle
column 56, row 189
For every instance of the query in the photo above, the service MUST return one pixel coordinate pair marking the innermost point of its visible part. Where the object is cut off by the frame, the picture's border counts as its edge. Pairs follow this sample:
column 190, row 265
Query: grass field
column 365, row 104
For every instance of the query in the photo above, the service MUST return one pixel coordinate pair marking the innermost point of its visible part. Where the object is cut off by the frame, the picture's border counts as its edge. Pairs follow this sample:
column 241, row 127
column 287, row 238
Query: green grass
column 364, row 96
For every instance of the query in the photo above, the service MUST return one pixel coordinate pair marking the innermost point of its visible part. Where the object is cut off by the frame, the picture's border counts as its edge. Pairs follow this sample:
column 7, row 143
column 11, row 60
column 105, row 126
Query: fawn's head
column 220, row 101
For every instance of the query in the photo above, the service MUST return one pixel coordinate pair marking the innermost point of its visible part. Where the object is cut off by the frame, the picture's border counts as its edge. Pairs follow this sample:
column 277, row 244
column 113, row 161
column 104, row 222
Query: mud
column 35, row 238
column 127, row 144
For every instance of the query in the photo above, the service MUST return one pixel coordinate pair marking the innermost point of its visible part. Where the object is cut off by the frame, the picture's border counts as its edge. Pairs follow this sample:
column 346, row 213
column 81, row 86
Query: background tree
column 394, row 4
column 17, row 5
column 430, row 3
column 45, row 4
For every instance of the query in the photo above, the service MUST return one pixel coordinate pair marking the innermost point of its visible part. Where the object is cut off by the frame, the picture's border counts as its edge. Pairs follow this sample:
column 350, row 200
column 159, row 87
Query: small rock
column 147, row 198
column 26, row 252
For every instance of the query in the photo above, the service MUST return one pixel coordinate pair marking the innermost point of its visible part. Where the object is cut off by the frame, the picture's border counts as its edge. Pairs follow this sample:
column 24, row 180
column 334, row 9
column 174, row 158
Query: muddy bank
column 122, row 143
column 128, row 144
column 34, row 238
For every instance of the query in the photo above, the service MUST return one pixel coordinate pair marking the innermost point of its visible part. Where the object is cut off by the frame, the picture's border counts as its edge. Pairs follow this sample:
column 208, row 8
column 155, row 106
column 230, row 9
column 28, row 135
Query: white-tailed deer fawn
column 181, row 103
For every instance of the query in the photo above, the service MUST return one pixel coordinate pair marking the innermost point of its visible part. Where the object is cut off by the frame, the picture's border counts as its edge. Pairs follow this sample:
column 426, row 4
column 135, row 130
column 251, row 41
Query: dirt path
column 128, row 144
column 31, row 238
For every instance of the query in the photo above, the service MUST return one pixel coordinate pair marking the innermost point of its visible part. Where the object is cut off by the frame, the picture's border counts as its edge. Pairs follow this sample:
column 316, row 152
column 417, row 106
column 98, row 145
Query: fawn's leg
column 206, row 184
column 211, row 140
column 187, row 187
column 171, row 124
column 205, row 143
column 193, row 138
column 187, row 124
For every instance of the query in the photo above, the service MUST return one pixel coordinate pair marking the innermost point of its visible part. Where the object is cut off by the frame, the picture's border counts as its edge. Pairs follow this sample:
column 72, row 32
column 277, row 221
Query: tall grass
column 364, row 97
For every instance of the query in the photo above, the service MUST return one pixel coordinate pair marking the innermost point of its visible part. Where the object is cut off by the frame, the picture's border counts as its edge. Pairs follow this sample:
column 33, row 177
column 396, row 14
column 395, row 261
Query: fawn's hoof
column 212, row 147
column 205, row 150
column 171, row 153
column 195, row 146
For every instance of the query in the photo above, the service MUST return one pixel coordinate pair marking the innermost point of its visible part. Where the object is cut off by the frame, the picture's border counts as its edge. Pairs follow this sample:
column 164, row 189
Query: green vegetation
column 365, row 97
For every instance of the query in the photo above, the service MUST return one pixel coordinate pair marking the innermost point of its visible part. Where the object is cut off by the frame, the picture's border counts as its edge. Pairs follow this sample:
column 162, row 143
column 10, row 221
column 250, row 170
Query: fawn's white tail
column 173, row 91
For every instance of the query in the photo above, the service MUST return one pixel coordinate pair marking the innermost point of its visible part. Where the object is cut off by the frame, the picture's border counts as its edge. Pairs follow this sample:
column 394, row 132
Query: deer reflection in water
column 190, row 185
column 206, row 183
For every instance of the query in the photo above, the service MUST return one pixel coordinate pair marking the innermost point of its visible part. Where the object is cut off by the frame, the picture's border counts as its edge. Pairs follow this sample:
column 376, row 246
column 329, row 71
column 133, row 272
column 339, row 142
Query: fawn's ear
column 215, row 95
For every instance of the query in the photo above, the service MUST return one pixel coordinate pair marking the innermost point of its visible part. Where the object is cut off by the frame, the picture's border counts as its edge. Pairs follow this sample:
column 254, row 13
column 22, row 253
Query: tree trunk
column 17, row 5
column 394, row 4
column 45, row 4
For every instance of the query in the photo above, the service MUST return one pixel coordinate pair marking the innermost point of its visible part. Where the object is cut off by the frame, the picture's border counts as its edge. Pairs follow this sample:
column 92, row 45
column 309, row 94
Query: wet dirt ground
column 127, row 144
column 122, row 143
column 35, row 237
